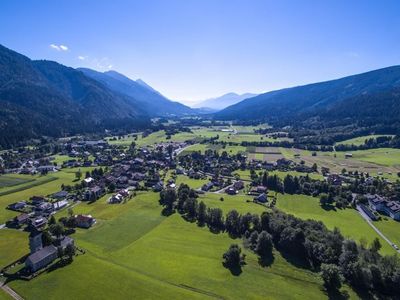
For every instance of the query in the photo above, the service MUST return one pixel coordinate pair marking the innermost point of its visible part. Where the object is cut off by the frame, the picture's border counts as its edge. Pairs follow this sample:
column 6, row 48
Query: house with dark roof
column 84, row 221
column 261, row 198
column 41, row 258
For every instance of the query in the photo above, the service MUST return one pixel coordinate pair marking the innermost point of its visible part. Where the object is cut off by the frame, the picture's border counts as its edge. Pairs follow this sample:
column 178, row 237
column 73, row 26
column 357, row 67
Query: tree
column 375, row 245
column 233, row 258
column 52, row 220
column 78, row 175
column 331, row 276
column 168, row 198
column 201, row 213
column 324, row 199
column 70, row 252
column 57, row 229
column 232, row 222
column 264, row 244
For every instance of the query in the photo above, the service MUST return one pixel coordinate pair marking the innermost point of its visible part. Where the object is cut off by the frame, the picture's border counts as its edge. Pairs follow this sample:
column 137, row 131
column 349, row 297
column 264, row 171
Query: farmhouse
column 60, row 195
column 231, row 191
column 84, row 221
column 17, row 205
column 261, row 198
column 21, row 219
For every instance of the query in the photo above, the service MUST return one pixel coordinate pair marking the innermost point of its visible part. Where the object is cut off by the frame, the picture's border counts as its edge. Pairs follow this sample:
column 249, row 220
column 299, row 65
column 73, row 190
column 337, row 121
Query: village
column 121, row 172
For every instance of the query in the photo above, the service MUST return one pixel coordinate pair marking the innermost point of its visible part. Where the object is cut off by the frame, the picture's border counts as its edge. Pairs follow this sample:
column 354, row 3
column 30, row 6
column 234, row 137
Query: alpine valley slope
column 44, row 98
column 152, row 101
column 370, row 96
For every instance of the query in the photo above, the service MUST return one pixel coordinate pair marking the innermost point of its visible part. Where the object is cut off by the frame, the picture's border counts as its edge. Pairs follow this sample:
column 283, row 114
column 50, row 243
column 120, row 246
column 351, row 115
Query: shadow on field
column 266, row 261
column 235, row 270
column 328, row 207
column 334, row 294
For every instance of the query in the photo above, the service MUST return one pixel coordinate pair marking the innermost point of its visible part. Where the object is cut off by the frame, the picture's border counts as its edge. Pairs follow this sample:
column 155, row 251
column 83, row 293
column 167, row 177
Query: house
column 41, row 258
column 17, row 205
column 94, row 193
column 21, row 219
column 44, row 207
column 60, row 204
column 37, row 200
column 238, row 185
column 48, row 168
column 335, row 179
column 60, row 195
column 393, row 210
column 376, row 202
column 38, row 222
column 158, row 187
column 88, row 180
column 231, row 191
column 84, row 221
column 261, row 198
column 207, row 186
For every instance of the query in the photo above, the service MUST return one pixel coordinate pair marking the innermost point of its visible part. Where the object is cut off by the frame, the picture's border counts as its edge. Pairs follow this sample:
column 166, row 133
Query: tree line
column 308, row 242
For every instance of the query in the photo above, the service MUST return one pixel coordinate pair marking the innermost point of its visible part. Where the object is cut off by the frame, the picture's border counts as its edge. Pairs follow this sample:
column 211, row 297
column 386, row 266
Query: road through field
column 368, row 220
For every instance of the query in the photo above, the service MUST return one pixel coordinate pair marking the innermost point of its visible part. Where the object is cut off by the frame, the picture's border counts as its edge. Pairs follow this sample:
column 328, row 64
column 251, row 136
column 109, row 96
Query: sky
column 191, row 50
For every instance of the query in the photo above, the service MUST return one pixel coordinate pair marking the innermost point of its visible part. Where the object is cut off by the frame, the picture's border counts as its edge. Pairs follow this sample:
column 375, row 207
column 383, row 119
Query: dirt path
column 11, row 292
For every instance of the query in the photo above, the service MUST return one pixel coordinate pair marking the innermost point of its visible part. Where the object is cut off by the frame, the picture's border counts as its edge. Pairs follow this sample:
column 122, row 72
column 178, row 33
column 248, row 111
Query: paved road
column 368, row 220
column 11, row 292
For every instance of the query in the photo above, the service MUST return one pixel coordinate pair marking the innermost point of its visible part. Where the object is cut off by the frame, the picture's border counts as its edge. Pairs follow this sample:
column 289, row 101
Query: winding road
column 369, row 221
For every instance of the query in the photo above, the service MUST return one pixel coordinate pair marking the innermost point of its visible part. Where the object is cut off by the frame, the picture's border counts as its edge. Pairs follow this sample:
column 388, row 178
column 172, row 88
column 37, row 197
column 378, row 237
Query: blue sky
column 191, row 49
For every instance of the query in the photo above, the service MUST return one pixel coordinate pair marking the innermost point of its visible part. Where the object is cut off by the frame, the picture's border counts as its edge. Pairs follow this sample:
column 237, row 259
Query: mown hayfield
column 13, row 245
column 13, row 180
column 238, row 202
column 246, row 174
column 231, row 150
column 350, row 223
column 44, row 185
column 361, row 139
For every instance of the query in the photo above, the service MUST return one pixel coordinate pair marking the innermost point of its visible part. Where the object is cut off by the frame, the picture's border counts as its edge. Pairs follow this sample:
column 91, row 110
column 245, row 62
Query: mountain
column 46, row 98
column 151, row 101
column 223, row 101
column 321, row 99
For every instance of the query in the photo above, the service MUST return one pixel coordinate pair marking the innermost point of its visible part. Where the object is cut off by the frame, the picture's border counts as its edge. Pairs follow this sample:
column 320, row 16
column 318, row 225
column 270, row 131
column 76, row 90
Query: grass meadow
column 135, row 252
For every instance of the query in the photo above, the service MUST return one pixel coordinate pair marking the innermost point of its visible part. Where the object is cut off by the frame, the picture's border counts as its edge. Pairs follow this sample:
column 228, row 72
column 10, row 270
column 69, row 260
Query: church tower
column 35, row 241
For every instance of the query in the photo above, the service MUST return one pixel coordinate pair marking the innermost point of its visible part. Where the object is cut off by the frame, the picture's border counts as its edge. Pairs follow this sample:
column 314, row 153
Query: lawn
column 350, row 223
column 13, row 245
column 134, row 252
column 390, row 228
column 238, row 202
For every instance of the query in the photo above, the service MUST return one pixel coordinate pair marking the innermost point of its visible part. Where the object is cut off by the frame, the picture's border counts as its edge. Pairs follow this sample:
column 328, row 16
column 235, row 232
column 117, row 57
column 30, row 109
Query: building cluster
column 384, row 206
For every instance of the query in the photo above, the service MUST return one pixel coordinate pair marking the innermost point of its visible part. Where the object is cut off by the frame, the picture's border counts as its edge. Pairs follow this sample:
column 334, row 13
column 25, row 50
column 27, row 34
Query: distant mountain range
column 148, row 98
column 368, row 97
column 223, row 101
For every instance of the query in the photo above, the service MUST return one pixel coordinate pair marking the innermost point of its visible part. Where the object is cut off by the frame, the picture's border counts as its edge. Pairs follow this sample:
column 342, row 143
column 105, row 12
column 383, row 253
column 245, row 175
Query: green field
column 374, row 161
column 134, row 252
column 389, row 228
column 360, row 140
column 13, row 180
column 13, row 245
column 350, row 223
column 246, row 174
